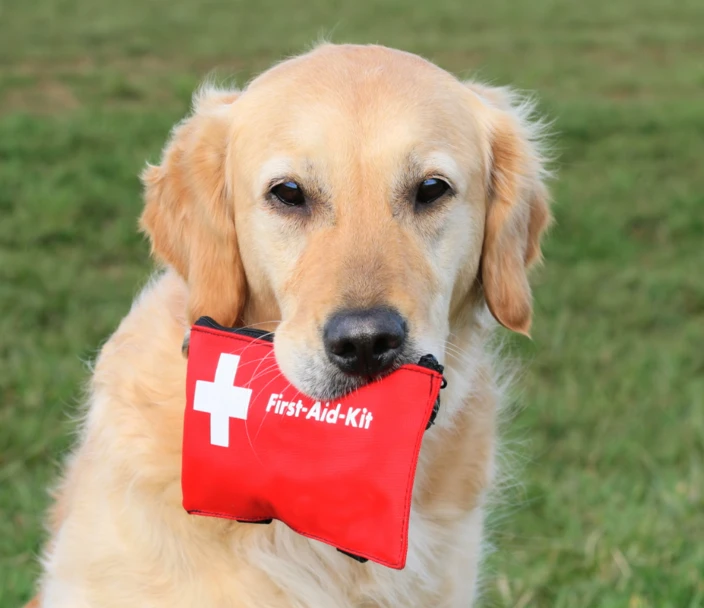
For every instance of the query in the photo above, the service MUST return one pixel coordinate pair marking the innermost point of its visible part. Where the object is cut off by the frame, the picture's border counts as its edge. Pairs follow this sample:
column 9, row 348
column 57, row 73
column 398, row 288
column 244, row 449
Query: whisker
column 459, row 353
column 264, row 372
column 253, row 343
column 253, row 325
column 269, row 354
column 267, row 413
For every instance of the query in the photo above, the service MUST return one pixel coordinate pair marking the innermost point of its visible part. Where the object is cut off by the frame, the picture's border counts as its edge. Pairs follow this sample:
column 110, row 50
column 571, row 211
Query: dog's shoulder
column 136, row 402
column 144, row 353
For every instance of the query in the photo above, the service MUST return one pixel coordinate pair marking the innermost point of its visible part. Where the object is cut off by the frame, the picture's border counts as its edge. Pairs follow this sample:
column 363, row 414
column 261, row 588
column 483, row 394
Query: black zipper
column 258, row 334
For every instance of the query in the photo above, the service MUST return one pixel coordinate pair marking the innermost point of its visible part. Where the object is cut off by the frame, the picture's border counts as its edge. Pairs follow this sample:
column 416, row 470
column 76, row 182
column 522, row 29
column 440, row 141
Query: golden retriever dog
column 358, row 185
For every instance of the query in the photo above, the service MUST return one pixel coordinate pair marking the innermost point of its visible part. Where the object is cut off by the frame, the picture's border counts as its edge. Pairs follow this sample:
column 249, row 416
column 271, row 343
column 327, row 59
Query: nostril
column 384, row 344
column 380, row 346
column 343, row 348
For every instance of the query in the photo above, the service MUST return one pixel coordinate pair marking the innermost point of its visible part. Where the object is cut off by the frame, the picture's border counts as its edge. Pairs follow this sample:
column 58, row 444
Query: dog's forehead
column 343, row 102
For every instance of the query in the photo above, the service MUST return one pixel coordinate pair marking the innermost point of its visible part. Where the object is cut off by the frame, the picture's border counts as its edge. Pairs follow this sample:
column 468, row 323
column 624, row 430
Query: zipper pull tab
column 430, row 362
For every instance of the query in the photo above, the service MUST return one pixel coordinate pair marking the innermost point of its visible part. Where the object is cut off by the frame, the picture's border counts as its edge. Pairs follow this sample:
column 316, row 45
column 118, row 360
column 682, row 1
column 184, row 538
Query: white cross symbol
column 222, row 400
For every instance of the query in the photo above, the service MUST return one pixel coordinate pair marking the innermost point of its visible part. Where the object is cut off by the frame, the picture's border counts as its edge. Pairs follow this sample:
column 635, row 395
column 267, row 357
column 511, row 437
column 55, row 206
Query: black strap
column 361, row 560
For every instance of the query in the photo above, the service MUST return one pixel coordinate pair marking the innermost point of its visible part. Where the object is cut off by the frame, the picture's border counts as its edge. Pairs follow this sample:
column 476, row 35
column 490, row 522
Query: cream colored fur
column 346, row 121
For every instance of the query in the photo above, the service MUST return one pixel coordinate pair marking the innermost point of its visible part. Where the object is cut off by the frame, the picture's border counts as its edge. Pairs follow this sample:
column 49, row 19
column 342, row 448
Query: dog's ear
column 517, row 207
column 189, row 211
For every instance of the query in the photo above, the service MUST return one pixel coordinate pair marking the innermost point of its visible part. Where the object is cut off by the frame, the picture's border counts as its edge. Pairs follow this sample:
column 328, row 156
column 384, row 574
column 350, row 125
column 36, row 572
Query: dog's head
column 358, row 199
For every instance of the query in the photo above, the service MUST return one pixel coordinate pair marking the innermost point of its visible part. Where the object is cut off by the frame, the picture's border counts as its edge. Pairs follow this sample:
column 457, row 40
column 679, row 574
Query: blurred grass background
column 609, row 510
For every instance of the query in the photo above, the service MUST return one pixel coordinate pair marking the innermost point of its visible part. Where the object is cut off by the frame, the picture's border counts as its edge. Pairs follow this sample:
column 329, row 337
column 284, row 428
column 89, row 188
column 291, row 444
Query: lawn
column 606, row 444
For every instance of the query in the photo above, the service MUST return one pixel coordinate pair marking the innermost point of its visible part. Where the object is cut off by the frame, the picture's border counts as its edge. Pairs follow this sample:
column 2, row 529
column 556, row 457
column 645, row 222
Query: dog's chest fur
column 125, row 481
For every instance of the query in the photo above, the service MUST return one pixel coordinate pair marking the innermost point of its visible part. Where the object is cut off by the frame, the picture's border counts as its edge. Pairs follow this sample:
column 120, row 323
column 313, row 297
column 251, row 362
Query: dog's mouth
column 316, row 376
column 338, row 383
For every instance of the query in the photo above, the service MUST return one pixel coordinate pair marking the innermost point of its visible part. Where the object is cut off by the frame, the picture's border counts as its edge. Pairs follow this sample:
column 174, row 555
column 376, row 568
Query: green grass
column 609, row 511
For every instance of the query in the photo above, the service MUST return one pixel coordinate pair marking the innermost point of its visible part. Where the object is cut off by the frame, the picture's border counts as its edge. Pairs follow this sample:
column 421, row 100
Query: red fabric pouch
column 340, row 472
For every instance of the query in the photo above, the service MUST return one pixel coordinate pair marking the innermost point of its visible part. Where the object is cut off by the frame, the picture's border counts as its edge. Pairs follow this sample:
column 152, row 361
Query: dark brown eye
column 289, row 193
column 431, row 190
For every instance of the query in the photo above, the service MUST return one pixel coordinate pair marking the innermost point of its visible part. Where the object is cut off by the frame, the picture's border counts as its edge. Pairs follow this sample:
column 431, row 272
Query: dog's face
column 360, row 200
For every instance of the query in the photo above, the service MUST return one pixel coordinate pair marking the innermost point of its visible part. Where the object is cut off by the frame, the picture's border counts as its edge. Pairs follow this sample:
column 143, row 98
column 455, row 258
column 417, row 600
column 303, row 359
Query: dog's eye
column 431, row 190
column 289, row 193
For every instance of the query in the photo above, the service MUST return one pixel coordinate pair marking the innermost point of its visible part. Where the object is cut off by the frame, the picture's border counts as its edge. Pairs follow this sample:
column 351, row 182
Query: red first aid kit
column 339, row 471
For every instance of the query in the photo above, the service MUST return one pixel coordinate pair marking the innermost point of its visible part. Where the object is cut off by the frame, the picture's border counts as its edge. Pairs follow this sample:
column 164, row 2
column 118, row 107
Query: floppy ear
column 189, row 212
column 517, row 207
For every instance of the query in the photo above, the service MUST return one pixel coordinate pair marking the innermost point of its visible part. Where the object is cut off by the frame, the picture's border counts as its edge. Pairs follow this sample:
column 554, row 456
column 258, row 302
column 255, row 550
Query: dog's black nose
column 364, row 342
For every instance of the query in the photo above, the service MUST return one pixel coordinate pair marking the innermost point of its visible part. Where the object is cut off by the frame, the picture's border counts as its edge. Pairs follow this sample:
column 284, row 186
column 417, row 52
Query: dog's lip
column 339, row 389
column 358, row 382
